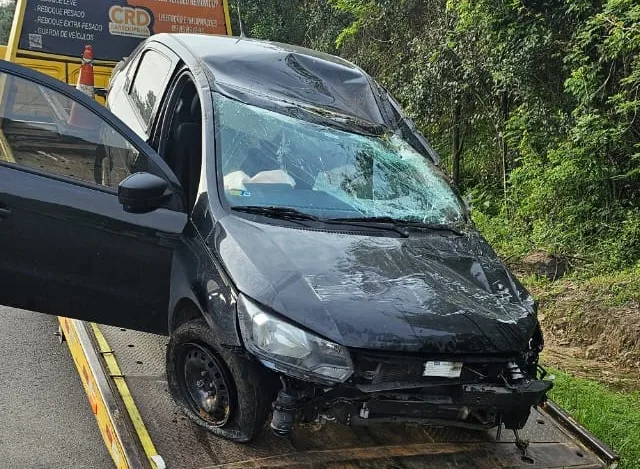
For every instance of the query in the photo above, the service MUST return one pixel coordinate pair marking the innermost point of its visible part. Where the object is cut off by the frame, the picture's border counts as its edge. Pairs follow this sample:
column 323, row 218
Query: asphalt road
column 45, row 418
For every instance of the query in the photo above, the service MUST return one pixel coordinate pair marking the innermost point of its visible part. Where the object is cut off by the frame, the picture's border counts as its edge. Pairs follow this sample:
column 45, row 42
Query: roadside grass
column 594, row 323
column 591, row 309
column 614, row 417
column 615, row 289
column 610, row 289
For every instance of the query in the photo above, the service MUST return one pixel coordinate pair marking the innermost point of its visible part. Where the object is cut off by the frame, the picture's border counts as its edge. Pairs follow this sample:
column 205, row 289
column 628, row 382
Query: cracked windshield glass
column 270, row 159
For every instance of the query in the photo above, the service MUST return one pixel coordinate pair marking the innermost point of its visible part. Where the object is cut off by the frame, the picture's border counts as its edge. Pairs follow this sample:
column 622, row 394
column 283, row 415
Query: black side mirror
column 142, row 192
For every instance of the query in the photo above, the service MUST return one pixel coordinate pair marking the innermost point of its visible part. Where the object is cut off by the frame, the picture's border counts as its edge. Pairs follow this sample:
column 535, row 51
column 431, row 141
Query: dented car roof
column 247, row 70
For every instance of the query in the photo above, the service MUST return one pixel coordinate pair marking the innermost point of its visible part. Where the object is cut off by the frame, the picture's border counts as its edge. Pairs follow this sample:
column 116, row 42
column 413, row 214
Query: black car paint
column 69, row 248
column 431, row 294
column 73, row 250
column 302, row 83
column 199, row 283
column 249, row 70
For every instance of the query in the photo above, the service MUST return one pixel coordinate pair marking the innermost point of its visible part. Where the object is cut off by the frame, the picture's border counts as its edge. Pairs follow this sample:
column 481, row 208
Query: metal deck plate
column 183, row 444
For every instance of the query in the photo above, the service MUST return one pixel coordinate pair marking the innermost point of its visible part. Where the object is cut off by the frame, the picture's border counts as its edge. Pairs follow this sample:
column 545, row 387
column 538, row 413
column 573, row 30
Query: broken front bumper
column 468, row 405
column 478, row 405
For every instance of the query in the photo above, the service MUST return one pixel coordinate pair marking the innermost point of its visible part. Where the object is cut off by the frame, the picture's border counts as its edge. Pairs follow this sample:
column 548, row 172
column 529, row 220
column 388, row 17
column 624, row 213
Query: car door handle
column 4, row 212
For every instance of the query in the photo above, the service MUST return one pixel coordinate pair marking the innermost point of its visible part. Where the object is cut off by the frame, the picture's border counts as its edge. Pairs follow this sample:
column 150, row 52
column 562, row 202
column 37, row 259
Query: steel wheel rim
column 205, row 384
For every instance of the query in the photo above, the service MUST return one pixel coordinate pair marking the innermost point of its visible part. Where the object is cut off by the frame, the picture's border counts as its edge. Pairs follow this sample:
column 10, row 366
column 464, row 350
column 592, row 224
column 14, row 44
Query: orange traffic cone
column 85, row 79
column 79, row 115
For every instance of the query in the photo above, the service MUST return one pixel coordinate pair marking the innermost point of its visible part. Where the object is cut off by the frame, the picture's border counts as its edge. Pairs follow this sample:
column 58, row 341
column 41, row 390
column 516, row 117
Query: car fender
column 198, row 281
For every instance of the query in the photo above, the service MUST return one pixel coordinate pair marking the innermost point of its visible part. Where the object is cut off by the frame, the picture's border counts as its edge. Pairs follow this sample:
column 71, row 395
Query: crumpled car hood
column 428, row 293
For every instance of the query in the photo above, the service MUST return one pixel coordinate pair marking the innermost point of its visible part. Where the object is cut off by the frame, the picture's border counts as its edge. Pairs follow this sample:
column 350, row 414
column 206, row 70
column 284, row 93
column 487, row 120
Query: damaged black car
column 313, row 261
column 363, row 283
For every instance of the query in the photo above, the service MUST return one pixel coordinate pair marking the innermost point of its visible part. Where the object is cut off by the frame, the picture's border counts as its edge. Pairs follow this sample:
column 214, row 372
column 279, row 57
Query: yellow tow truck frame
column 62, row 67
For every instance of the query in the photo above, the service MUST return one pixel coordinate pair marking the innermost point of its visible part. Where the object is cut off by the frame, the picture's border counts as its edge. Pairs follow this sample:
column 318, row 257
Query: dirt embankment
column 592, row 327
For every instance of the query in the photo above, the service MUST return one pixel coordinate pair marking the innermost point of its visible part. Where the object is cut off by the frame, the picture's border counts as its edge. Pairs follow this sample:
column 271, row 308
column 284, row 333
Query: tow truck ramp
column 123, row 373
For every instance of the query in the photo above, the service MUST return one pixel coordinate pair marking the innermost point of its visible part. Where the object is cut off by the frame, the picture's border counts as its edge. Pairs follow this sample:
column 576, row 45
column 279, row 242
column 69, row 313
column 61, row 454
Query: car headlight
column 287, row 348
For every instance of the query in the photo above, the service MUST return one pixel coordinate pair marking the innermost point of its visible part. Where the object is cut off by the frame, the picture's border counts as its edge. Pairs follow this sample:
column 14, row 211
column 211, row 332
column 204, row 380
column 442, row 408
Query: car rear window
column 148, row 83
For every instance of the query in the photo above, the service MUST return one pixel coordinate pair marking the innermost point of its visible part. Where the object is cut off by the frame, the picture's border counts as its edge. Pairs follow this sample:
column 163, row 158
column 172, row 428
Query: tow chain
column 522, row 445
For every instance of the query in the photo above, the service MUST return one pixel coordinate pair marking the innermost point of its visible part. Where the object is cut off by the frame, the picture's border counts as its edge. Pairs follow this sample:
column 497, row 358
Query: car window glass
column 49, row 132
column 148, row 82
column 271, row 159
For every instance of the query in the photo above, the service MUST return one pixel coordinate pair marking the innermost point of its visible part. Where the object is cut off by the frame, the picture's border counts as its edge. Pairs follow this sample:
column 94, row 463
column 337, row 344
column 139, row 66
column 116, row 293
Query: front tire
column 217, row 389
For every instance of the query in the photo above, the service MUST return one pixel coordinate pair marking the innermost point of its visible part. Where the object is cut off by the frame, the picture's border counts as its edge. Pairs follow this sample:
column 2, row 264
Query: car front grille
column 389, row 372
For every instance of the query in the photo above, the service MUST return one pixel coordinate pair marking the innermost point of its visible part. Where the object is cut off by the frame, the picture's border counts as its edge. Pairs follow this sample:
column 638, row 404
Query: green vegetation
column 613, row 289
column 532, row 105
column 592, row 325
column 613, row 417
column 6, row 19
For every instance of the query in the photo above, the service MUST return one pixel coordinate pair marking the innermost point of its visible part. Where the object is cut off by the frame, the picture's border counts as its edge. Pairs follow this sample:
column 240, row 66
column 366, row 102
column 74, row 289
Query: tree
column 6, row 19
column 533, row 105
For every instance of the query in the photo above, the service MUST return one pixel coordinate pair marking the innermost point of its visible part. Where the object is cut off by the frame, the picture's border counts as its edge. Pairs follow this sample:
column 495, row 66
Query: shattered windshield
column 273, row 160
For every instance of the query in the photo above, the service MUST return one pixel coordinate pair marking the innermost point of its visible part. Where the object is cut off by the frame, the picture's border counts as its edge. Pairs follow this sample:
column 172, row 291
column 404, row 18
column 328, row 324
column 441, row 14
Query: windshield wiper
column 287, row 213
column 381, row 224
column 402, row 223
column 284, row 213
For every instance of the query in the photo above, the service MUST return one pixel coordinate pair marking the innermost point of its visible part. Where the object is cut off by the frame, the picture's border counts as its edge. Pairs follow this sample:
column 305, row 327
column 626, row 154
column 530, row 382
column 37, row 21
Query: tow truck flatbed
column 151, row 431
